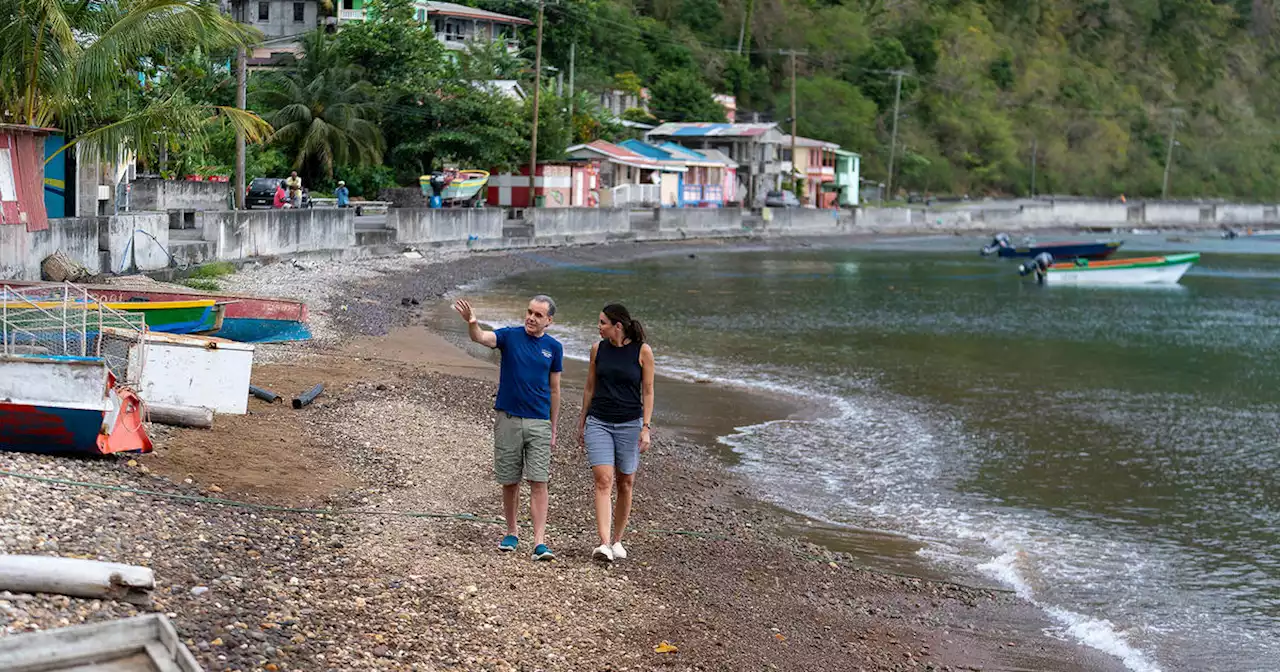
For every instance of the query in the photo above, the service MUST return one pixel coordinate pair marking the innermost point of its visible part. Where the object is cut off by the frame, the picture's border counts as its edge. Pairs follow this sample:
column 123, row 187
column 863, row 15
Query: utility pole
column 1168, row 159
column 742, row 30
column 242, row 88
column 533, row 139
column 794, row 183
column 893, row 143
column 573, row 47
column 1033, row 166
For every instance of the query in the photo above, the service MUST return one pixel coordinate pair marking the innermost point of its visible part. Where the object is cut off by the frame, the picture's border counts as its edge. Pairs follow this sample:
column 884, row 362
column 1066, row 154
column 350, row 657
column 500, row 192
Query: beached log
column 181, row 416
column 76, row 578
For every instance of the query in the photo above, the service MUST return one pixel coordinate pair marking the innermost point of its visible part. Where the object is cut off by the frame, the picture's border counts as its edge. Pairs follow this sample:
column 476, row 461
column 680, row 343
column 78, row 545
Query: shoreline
column 879, row 551
column 404, row 426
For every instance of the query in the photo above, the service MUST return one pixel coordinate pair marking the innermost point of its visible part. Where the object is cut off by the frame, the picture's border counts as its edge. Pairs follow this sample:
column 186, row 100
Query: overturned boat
column 1161, row 270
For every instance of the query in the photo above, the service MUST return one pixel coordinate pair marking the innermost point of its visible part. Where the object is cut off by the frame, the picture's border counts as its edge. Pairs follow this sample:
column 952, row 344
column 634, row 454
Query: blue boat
column 1001, row 246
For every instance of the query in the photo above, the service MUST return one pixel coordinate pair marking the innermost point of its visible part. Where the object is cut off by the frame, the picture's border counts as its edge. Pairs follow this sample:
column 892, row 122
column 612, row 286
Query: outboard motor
column 1000, row 241
column 1040, row 265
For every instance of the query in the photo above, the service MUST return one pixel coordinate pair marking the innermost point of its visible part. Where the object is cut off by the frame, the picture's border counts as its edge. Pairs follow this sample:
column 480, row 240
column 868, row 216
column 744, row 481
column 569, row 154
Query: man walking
column 528, row 408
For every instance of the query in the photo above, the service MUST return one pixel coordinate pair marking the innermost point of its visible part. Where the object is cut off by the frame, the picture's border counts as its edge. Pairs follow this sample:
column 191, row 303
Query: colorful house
column 454, row 25
column 556, row 185
column 628, row 178
column 848, row 172
column 815, row 164
column 22, row 176
column 755, row 148
column 710, row 179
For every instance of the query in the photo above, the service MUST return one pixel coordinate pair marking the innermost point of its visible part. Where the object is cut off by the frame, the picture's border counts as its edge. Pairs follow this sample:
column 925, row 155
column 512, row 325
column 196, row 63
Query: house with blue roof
column 710, row 180
column 755, row 148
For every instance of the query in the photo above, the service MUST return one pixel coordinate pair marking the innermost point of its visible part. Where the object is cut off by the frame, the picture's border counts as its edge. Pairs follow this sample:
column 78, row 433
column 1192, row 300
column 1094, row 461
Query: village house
column 815, row 165
column 710, row 180
column 756, row 148
column 848, row 176
column 628, row 178
column 22, row 176
column 454, row 25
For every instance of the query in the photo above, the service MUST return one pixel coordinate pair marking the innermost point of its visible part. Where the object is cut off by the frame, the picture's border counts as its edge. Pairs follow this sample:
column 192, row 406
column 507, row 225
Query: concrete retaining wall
column 1169, row 214
column 164, row 195
column 578, row 224
column 446, row 225
column 136, row 242
column 257, row 233
column 21, row 251
column 803, row 220
column 700, row 221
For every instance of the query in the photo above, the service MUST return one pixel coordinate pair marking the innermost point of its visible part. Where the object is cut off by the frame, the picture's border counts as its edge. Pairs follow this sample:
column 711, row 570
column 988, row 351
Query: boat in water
column 1001, row 246
column 455, row 188
column 1136, row 271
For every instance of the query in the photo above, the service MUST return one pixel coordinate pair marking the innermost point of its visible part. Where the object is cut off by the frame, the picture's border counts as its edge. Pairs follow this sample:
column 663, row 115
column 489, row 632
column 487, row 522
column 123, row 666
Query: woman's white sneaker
column 602, row 553
column 619, row 553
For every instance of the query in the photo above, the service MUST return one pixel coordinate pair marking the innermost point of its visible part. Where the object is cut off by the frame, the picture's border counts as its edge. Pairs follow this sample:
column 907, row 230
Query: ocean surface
column 1113, row 455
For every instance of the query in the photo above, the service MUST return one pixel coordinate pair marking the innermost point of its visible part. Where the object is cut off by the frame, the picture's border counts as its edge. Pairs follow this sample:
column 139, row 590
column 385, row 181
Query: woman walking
column 616, row 408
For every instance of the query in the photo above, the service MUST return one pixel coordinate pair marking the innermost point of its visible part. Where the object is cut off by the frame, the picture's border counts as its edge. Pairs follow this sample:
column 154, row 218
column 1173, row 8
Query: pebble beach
column 360, row 532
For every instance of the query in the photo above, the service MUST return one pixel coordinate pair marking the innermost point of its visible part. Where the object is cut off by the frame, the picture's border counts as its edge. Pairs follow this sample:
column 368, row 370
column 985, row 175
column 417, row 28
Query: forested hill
column 1094, row 86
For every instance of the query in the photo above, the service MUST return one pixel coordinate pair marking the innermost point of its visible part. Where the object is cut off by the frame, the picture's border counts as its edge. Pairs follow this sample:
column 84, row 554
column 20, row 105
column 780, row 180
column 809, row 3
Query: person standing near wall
column 342, row 194
column 294, row 183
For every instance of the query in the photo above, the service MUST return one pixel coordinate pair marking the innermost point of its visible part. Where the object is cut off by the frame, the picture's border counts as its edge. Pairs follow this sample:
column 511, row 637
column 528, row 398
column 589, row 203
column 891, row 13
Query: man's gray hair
column 551, row 303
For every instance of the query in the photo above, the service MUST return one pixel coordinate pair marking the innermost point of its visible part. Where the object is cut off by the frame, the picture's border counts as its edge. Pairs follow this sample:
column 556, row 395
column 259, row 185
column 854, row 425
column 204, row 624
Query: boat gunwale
column 1129, row 263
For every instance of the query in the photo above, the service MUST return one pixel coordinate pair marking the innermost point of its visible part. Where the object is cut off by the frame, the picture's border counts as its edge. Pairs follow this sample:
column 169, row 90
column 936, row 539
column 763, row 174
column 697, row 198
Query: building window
column 299, row 12
column 8, row 190
column 264, row 12
column 348, row 4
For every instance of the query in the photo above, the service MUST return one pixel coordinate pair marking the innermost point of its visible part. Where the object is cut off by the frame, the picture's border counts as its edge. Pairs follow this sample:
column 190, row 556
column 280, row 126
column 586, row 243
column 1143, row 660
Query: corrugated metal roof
column 454, row 9
column 707, row 129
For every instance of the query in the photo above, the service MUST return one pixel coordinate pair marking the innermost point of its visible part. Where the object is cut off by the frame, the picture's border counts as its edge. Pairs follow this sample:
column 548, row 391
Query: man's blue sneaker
column 508, row 543
column 541, row 552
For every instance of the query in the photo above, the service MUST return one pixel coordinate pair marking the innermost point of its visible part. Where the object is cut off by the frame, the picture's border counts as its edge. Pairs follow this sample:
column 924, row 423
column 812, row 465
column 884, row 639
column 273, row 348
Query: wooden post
column 533, row 138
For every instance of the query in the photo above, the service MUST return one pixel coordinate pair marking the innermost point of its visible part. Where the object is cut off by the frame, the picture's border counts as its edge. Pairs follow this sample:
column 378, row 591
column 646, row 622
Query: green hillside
column 1094, row 86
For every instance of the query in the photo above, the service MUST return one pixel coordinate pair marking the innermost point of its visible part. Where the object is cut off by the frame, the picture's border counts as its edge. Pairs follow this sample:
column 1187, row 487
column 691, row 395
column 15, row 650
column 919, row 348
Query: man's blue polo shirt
column 524, row 386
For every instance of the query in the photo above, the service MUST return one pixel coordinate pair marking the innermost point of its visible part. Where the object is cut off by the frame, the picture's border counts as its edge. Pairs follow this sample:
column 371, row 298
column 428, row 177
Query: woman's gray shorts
column 616, row 444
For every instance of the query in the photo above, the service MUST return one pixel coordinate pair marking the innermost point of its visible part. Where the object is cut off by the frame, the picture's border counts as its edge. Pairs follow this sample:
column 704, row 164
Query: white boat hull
column 1089, row 277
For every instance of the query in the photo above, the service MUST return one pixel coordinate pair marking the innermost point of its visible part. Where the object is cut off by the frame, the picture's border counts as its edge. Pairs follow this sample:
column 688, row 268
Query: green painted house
column 848, row 170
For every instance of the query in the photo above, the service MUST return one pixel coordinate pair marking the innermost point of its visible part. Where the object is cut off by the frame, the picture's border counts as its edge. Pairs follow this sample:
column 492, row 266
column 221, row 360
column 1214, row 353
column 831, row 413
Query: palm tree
column 75, row 64
column 322, row 110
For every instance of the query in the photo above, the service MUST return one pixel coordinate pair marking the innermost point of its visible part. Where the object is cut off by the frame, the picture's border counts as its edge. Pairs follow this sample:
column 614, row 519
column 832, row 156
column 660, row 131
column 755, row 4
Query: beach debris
column 76, row 578
column 308, row 396
column 265, row 394
column 412, row 254
column 147, row 642
column 198, row 417
column 665, row 647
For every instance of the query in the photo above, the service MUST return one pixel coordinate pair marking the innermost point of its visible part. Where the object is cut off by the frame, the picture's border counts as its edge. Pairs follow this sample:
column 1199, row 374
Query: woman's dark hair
column 617, row 314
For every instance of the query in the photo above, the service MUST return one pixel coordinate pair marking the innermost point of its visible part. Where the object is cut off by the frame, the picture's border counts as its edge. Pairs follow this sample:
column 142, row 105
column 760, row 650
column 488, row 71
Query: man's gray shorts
column 616, row 444
column 521, row 446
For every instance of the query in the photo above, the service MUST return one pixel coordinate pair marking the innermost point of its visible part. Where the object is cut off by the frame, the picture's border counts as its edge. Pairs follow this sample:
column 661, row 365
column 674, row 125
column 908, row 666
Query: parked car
column 781, row 199
column 262, row 193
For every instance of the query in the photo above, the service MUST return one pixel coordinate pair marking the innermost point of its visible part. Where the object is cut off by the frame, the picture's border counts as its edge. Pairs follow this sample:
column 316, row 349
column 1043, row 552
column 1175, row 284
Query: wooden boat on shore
column 455, row 187
column 202, row 316
column 247, row 319
column 66, row 405
column 1001, row 246
column 1162, row 270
